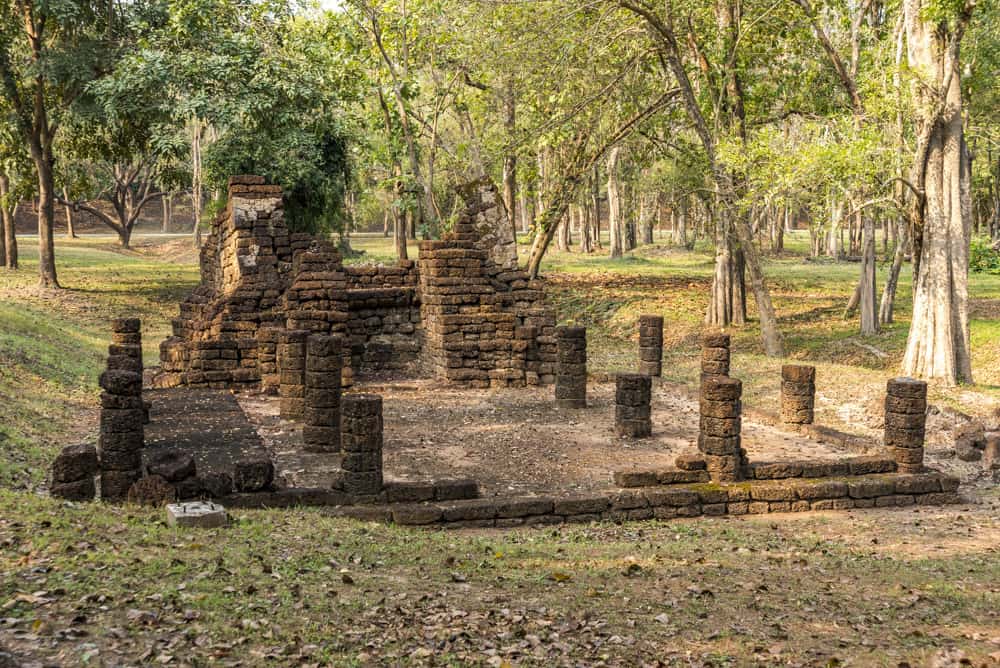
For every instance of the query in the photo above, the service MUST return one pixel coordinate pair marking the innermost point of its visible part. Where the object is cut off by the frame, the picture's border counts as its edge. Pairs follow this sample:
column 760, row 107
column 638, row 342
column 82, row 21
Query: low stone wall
column 659, row 502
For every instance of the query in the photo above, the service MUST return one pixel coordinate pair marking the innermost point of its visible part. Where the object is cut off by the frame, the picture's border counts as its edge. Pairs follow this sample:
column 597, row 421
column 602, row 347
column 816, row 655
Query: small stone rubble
column 571, row 367
column 798, row 393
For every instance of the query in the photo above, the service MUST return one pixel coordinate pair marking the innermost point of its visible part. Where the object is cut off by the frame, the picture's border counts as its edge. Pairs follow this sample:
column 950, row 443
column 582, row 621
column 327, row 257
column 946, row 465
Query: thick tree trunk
column 615, row 223
column 938, row 344
column 563, row 239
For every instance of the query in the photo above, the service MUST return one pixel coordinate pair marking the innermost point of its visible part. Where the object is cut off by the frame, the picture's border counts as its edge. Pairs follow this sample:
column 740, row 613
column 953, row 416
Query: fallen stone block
column 200, row 514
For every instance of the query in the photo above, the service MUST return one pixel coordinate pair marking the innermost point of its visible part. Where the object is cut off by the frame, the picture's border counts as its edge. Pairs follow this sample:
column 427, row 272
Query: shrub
column 984, row 256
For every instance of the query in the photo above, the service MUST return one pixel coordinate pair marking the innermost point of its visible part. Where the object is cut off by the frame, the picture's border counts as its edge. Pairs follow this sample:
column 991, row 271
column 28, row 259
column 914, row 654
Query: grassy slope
column 272, row 589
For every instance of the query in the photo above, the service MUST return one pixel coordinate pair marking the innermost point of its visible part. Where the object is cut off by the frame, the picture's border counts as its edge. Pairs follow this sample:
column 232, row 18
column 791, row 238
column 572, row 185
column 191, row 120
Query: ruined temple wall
column 463, row 311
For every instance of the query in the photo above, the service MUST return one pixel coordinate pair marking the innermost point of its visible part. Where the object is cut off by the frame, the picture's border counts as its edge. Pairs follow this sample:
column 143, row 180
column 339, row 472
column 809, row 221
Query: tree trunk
column 615, row 224
column 8, row 211
column 196, row 182
column 70, row 231
column 866, row 285
column 562, row 239
column 46, row 219
column 399, row 218
column 938, row 343
column 886, row 307
column 595, row 203
column 584, row 213
column 647, row 213
column 510, row 158
column 167, row 206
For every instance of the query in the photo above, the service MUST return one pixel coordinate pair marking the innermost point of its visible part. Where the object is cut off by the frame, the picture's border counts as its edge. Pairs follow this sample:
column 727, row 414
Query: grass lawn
column 95, row 585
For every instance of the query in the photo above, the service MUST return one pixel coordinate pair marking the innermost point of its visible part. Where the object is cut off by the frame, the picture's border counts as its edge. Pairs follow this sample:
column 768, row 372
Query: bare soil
column 518, row 442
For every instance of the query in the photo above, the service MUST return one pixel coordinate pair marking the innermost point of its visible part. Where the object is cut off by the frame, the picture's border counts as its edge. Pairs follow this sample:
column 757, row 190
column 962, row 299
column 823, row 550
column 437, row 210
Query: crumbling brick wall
column 488, row 323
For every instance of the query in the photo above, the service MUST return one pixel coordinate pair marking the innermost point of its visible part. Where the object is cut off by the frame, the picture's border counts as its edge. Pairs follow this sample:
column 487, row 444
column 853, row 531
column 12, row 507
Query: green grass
column 294, row 586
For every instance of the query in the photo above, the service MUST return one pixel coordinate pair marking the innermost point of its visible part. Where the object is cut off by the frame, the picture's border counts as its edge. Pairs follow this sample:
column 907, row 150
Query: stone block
column 75, row 462
column 197, row 514
column 253, row 475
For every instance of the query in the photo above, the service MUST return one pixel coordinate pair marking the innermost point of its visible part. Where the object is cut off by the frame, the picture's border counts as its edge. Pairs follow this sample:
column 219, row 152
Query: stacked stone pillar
column 571, row 367
column 324, row 361
column 121, row 437
column 798, row 393
column 714, row 355
column 719, row 433
column 292, row 373
column 361, row 441
column 651, row 345
column 905, row 417
column 633, row 392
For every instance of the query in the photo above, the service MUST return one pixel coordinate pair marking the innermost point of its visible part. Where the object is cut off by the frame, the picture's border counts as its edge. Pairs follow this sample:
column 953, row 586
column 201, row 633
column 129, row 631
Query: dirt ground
column 518, row 442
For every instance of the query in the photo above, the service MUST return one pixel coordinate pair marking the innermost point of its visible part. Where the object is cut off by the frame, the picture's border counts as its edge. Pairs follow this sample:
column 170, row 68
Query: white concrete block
column 204, row 514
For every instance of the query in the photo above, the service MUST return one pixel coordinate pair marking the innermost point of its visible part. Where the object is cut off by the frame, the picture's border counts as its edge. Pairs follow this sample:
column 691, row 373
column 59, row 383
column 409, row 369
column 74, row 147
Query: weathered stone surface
column 151, row 490
column 524, row 506
column 253, row 475
column 409, row 492
column 75, row 490
column 776, row 470
column 867, row 488
column 870, row 464
column 659, row 496
column 773, row 492
column 821, row 489
column 171, row 465
column 690, row 463
column 635, row 478
column 469, row 509
column 462, row 488
column 416, row 514
column 917, row 484
column 580, row 505
column 668, row 477
column 75, row 462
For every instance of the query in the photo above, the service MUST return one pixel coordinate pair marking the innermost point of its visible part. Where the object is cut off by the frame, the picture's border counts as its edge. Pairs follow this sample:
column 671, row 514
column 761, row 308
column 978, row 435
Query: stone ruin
column 463, row 312
column 279, row 312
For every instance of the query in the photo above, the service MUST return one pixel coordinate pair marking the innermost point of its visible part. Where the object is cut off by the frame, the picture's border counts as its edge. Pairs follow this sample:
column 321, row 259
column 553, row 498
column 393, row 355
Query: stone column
column 651, row 345
column 361, row 441
column 125, row 351
column 905, row 415
column 798, row 393
column 714, row 355
column 571, row 367
column 292, row 373
column 719, row 434
column 324, row 360
column 632, row 412
column 122, row 435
